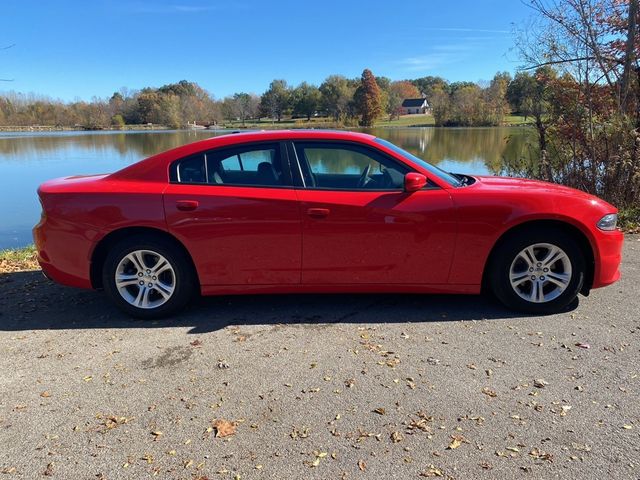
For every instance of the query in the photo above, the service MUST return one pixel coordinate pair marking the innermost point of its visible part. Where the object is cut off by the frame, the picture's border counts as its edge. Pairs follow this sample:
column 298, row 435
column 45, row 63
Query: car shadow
column 28, row 301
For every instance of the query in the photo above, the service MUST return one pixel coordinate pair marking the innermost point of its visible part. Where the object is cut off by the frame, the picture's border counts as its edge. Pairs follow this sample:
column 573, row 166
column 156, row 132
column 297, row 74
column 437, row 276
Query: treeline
column 342, row 100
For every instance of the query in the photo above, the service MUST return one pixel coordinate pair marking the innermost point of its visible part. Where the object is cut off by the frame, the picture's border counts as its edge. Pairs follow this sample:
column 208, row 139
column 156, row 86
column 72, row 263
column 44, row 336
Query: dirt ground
column 319, row 386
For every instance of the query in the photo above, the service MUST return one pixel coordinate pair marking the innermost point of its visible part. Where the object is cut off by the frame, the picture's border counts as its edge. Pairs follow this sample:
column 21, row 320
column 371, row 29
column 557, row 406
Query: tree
column 520, row 92
column 496, row 97
column 306, row 100
column 243, row 106
column 276, row 101
column 428, row 85
column 336, row 93
column 440, row 106
column 368, row 99
column 590, row 132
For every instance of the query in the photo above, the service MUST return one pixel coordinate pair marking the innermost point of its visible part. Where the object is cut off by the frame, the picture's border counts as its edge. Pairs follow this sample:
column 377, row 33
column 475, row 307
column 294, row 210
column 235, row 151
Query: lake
column 28, row 159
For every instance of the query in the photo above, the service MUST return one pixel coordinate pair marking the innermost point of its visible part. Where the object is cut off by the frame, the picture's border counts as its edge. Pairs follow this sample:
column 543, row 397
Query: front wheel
column 148, row 278
column 538, row 272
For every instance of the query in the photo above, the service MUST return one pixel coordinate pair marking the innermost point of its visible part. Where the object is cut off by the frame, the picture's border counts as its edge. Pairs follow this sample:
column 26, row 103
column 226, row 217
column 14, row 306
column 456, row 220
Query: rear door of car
column 237, row 212
column 373, row 232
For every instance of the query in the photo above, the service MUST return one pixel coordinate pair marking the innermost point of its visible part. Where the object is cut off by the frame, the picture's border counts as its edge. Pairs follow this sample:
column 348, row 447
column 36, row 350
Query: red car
column 319, row 211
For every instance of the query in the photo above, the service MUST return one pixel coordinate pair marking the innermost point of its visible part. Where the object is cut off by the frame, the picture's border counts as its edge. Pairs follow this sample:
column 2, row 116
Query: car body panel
column 239, row 235
column 377, row 237
column 254, row 239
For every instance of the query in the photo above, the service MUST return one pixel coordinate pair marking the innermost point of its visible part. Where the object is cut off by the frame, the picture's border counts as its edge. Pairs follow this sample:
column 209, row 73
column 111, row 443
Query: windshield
column 446, row 176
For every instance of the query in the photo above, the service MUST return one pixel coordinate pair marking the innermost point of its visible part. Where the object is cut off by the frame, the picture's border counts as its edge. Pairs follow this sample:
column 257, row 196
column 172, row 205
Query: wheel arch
column 578, row 234
column 99, row 253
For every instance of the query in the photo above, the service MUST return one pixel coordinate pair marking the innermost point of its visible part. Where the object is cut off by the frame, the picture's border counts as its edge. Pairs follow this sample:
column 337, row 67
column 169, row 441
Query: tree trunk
column 629, row 56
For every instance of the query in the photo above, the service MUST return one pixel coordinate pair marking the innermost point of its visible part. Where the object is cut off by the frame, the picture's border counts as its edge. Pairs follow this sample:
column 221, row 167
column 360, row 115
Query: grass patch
column 408, row 121
column 518, row 120
column 18, row 260
column 629, row 219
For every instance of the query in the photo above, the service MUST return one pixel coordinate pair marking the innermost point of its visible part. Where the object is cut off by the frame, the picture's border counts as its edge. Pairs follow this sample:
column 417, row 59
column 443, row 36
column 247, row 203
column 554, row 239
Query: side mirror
column 414, row 181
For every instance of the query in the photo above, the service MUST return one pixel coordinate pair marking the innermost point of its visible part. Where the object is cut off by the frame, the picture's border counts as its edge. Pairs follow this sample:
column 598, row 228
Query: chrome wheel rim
column 540, row 273
column 145, row 279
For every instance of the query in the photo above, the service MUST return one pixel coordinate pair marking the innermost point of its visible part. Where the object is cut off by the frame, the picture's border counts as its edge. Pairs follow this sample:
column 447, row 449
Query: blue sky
column 72, row 49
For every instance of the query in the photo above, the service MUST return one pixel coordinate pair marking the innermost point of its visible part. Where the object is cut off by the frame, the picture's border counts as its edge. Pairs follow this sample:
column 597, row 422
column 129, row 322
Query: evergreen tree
column 368, row 99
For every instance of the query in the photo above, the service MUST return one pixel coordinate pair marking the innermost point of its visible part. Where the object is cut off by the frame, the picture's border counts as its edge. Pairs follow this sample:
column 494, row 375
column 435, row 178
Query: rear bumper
column 63, row 257
column 608, row 258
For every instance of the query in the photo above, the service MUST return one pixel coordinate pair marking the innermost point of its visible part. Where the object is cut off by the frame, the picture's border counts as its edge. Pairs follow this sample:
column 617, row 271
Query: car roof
column 155, row 168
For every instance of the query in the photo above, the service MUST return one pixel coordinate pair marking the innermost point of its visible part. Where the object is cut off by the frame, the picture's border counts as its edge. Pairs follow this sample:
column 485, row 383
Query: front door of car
column 361, row 227
column 238, row 214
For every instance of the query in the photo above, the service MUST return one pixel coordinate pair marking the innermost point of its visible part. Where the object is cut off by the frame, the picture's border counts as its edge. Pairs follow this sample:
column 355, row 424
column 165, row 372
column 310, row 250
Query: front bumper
column 608, row 258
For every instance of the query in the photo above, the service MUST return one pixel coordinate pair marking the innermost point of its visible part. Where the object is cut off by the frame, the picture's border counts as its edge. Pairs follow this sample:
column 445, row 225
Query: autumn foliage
column 368, row 99
column 585, row 95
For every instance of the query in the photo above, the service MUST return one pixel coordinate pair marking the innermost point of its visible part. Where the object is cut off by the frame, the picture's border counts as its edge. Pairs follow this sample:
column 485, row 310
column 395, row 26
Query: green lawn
column 324, row 122
column 407, row 121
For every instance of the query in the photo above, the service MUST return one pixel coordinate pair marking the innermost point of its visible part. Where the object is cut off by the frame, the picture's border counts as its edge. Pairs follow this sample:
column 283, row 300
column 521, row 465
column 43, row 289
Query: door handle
column 318, row 212
column 186, row 205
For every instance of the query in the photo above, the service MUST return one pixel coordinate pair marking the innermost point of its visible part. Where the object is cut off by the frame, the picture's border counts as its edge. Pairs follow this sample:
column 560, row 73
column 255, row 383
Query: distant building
column 415, row 105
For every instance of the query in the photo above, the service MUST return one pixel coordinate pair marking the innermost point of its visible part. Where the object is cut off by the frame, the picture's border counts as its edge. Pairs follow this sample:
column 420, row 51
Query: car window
column 258, row 165
column 348, row 167
column 191, row 170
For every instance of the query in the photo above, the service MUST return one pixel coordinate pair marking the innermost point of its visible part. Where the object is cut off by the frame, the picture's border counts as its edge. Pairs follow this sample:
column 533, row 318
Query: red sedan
column 319, row 211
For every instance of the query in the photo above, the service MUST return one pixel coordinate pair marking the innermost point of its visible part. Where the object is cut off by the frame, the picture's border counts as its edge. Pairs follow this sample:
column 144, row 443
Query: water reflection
column 466, row 150
column 28, row 159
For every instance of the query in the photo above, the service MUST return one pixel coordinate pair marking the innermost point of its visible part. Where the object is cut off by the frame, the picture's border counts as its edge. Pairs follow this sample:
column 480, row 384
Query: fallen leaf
column 432, row 471
column 196, row 343
column 396, row 437
column 362, row 465
column 379, row 411
column 489, row 392
column 455, row 442
column 537, row 454
column 49, row 470
column 224, row 428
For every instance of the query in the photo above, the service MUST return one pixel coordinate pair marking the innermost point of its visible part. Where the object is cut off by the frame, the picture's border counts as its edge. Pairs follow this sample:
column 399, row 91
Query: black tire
column 180, row 276
column 507, row 253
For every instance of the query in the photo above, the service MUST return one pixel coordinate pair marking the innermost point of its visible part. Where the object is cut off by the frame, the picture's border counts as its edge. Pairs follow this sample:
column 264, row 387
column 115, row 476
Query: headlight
column 608, row 222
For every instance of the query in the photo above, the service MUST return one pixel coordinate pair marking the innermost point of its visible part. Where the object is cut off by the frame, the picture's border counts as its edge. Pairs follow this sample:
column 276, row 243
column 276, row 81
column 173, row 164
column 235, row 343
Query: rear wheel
column 538, row 271
column 148, row 277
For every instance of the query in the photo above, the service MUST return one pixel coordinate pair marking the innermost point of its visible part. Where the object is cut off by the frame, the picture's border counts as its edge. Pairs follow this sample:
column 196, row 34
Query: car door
column 361, row 227
column 236, row 211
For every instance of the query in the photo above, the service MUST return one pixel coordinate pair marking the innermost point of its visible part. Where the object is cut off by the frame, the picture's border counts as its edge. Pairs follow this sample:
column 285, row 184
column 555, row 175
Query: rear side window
column 191, row 170
column 249, row 165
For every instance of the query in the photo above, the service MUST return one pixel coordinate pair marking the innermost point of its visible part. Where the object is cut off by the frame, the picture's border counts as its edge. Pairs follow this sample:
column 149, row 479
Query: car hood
column 527, row 184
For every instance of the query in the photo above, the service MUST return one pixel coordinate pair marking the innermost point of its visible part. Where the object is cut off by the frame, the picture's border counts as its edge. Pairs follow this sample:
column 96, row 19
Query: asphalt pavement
column 319, row 386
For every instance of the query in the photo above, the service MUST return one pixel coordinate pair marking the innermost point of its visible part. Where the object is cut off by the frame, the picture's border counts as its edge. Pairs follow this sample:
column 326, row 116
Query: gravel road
column 319, row 386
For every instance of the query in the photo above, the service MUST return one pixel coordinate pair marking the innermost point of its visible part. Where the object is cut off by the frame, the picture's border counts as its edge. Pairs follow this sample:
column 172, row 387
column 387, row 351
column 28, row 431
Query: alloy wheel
column 540, row 273
column 145, row 279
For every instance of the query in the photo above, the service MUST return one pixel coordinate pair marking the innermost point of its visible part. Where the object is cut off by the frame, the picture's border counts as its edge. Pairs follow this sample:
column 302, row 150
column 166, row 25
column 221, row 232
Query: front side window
column 339, row 166
column 249, row 165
